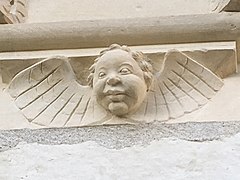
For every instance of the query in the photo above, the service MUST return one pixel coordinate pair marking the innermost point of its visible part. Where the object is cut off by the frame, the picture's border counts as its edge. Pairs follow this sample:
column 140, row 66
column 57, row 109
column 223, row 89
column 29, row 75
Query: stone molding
column 135, row 31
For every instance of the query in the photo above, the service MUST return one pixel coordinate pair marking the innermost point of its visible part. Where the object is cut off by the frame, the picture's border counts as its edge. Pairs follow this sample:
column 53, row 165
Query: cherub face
column 118, row 83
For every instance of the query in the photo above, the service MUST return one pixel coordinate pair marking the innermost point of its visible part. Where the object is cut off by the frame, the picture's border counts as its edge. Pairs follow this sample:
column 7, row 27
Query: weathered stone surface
column 218, row 159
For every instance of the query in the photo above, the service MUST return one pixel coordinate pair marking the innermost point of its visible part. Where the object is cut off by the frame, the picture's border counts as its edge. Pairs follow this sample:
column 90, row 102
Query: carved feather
column 14, row 11
column 182, row 86
column 48, row 93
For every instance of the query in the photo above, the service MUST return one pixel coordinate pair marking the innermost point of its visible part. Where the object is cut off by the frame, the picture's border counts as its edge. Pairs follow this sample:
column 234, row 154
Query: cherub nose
column 113, row 80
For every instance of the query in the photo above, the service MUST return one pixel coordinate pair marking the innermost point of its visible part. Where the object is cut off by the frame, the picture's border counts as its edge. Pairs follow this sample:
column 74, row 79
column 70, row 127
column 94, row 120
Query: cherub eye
column 125, row 71
column 101, row 75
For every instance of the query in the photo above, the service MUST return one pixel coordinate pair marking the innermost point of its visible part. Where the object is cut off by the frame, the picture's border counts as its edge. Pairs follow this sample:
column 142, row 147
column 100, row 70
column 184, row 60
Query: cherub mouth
column 115, row 92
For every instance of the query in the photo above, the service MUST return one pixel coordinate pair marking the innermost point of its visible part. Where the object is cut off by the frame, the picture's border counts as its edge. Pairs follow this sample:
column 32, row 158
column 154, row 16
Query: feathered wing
column 14, row 11
column 181, row 87
column 48, row 94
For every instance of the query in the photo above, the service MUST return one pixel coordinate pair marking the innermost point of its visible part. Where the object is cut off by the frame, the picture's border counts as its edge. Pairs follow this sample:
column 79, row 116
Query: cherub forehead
column 115, row 59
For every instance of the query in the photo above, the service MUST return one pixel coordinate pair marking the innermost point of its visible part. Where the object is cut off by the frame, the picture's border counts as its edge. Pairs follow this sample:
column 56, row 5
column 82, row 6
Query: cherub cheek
column 99, row 86
column 131, row 80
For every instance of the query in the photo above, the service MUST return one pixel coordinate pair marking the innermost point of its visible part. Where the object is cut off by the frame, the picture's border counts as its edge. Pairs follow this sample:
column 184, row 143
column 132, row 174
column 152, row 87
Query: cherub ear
column 148, row 77
column 48, row 93
column 183, row 86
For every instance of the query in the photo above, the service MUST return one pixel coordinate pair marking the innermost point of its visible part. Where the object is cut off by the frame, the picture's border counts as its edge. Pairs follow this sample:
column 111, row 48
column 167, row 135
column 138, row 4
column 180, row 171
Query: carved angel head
column 120, row 79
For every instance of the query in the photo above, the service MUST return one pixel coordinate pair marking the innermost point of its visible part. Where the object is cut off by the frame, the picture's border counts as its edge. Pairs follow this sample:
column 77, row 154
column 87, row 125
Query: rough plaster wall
column 165, row 159
column 67, row 10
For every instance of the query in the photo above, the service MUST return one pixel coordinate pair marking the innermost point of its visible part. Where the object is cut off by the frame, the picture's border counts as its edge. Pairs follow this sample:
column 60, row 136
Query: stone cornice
column 135, row 31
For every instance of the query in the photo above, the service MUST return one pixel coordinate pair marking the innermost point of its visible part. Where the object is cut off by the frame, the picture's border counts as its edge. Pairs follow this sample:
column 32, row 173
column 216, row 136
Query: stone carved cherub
column 123, row 88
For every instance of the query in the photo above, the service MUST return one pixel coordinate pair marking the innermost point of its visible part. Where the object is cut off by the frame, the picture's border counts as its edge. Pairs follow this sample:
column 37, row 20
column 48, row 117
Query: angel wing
column 48, row 94
column 182, row 86
column 14, row 11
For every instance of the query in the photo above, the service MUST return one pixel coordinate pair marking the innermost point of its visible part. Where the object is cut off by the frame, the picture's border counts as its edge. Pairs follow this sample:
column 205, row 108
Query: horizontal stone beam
column 135, row 31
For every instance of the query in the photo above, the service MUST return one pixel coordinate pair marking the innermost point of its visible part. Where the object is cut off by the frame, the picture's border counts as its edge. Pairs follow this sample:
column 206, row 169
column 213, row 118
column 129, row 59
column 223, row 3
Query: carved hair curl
column 142, row 60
